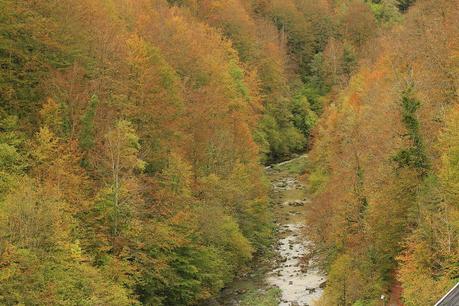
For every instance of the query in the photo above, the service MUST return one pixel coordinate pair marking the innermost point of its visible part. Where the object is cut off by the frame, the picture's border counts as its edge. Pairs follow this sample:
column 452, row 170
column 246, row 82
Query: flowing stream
column 293, row 269
column 296, row 274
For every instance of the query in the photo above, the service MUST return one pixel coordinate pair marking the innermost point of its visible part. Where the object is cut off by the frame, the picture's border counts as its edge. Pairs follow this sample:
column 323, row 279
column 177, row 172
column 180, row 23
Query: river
column 292, row 268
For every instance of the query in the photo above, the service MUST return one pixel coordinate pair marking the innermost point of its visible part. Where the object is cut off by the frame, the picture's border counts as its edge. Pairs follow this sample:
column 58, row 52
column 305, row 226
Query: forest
column 134, row 136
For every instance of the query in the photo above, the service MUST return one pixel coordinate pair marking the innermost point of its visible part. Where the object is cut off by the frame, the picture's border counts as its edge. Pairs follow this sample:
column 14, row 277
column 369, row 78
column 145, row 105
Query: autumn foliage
column 133, row 135
column 131, row 140
column 384, row 164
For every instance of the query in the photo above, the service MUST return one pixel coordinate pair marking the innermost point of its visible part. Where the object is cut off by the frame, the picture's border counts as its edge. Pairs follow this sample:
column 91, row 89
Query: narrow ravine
column 292, row 268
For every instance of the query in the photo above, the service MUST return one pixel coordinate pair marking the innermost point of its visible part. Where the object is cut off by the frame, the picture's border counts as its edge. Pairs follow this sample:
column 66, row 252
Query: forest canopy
column 134, row 135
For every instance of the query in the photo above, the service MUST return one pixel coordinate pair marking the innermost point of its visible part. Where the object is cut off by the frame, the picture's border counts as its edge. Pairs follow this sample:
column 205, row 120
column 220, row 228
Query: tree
column 358, row 23
column 56, row 164
column 403, row 5
column 41, row 262
column 12, row 162
column 344, row 282
column 414, row 156
column 431, row 251
column 121, row 159
column 156, row 102
column 87, row 125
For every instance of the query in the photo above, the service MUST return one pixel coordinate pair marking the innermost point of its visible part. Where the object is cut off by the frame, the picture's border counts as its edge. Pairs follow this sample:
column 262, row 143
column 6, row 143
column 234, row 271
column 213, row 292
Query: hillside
column 134, row 136
column 385, row 164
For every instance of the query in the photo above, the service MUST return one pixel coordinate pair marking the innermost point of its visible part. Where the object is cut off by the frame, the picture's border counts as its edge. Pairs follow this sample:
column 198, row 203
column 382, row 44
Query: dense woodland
column 386, row 166
column 133, row 135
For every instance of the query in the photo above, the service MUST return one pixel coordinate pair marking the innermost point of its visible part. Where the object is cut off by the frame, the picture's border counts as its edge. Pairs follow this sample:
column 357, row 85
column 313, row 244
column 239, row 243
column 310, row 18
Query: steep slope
column 384, row 166
column 133, row 133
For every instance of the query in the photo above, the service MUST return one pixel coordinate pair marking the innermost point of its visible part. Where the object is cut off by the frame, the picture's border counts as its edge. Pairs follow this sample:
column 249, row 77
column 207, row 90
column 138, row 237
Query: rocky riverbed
column 292, row 268
column 296, row 275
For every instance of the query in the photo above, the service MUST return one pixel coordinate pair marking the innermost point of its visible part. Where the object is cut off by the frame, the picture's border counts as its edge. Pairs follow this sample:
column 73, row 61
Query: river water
column 293, row 269
column 296, row 273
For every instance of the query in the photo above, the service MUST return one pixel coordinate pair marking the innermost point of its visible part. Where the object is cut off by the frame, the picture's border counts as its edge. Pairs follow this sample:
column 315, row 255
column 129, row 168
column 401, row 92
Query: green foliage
column 87, row 125
column 270, row 297
column 12, row 163
column 48, row 266
column 223, row 233
column 317, row 179
column 269, row 132
column 304, row 118
column 415, row 155
column 183, row 274
column 257, row 224
column 286, row 140
column 298, row 165
column 55, row 117
column 318, row 84
column 386, row 12
column 115, row 204
column 404, row 5
column 349, row 63
column 238, row 75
